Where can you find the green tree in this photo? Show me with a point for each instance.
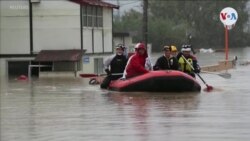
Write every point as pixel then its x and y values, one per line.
pixel 130 22
pixel 171 21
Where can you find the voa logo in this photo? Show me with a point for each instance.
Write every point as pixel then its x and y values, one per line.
pixel 228 16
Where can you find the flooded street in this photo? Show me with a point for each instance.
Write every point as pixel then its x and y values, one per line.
pixel 70 109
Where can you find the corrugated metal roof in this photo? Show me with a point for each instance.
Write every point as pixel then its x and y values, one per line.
pixel 59 55
pixel 95 3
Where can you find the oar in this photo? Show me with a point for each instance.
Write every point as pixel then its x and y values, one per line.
pixel 87 75
pixel 209 88
pixel 224 75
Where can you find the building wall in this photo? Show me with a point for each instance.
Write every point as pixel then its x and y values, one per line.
pixel 98 44
pixel 87 40
pixel 14 27
pixel 56 25
pixel 99 40
pixel 107 31
pixel 89 66
pixel 3 70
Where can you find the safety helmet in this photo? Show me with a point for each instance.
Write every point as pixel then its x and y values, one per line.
pixel 140 46
pixel 165 48
pixel 186 48
pixel 121 46
pixel 173 48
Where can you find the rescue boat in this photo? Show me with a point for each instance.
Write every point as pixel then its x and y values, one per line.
pixel 157 81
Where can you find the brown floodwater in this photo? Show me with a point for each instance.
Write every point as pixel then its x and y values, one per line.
pixel 71 109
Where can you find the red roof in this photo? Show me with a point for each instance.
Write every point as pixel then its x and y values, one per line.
pixel 59 55
pixel 95 3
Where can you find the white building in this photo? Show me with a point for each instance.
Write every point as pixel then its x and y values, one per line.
pixel 54 28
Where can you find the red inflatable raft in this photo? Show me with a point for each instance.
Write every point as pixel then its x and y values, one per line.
pixel 158 81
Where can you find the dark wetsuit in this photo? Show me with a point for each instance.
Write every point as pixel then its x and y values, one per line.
pixel 164 63
pixel 117 64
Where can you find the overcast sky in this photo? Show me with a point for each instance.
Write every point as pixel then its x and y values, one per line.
pixel 126 5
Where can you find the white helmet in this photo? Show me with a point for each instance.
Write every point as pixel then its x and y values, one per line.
pixel 186 48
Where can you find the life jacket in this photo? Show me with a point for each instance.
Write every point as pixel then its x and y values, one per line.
pixel 118 64
pixel 184 66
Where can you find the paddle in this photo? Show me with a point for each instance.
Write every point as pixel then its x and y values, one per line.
pixel 87 75
pixel 224 75
pixel 209 88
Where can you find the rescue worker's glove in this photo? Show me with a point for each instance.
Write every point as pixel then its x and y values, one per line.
pixel 197 69
pixel 108 71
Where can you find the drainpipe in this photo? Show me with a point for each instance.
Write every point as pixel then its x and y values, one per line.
pixel 81 34
pixel 31 26
pixel 81 28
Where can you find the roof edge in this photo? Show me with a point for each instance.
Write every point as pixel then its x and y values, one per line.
pixel 95 3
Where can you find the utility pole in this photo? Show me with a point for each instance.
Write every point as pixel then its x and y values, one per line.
pixel 145 22
pixel 119 13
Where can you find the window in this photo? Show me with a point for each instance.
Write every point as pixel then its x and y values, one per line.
pixel 84 15
pixel 99 17
pixel 89 16
pixel 92 16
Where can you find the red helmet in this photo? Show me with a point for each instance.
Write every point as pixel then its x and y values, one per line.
pixel 140 46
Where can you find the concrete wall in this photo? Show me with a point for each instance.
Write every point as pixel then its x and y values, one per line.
pixel 87 40
pixel 3 69
pixel 107 31
pixel 88 67
pixel 56 25
pixel 98 45
pixel 14 27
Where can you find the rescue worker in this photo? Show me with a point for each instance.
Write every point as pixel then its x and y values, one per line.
pixel 114 66
pixel 167 61
pixel 174 50
pixel 184 56
pixel 136 63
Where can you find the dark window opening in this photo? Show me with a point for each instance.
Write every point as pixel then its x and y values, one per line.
pixel 17 68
